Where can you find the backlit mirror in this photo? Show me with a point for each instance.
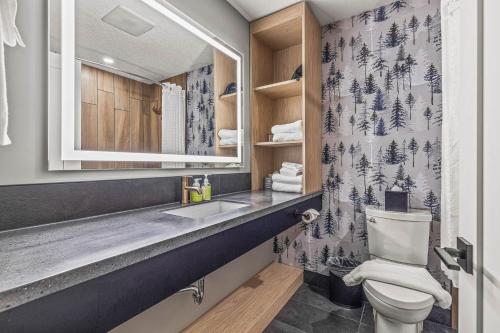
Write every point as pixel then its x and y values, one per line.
pixel 136 84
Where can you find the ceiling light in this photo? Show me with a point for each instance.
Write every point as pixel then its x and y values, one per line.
pixel 108 60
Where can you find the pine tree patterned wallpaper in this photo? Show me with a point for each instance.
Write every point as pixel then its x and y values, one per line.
pixel 381 91
pixel 200 112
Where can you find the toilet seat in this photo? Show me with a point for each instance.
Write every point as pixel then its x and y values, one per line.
pixel 399 297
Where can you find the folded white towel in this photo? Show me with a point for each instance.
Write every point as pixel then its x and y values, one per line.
pixel 290 172
pixel 287 128
pixel 228 141
pixel 227 133
pixel 287 179
pixel 292 165
pixel 282 187
pixel 415 278
pixel 10 36
pixel 278 137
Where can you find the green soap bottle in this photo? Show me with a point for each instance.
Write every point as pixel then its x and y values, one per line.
pixel 195 196
pixel 207 189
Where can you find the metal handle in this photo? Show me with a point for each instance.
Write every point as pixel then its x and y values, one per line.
pixel 463 253
pixel 446 258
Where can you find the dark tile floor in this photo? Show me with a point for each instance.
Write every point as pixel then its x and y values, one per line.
pixel 310 310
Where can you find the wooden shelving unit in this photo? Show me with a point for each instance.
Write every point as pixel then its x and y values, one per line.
pixel 278 144
pixel 225 105
pixel 283 89
pixel 229 98
pixel 279 43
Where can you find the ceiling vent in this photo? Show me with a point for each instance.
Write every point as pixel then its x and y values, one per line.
pixel 126 20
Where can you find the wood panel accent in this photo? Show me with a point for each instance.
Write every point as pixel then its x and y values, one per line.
pixel 252 307
pixel 225 113
pixel 277 100
pixel 105 124
pixel 89 137
pixel 88 77
pixel 122 88
pixel 311 103
pixel 122 135
pixel 121 106
pixel 180 80
pixel 105 81
pixel 454 308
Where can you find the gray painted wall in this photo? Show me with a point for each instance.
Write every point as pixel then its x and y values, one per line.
pixel 25 161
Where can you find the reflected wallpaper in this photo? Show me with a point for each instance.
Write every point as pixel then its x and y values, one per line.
pixel 381 92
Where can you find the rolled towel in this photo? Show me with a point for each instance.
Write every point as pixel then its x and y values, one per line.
pixel 287 179
pixel 228 141
pixel 290 172
pixel 282 187
pixel 278 137
pixel 292 165
pixel 287 128
pixel 227 133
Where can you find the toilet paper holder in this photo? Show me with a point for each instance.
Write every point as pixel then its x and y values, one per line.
pixel 306 216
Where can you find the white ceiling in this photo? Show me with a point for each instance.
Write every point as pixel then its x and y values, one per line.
pixel 164 51
pixel 327 11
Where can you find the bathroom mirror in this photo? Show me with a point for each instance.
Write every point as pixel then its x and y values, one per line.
pixel 137 84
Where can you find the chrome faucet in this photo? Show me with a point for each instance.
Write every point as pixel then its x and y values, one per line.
pixel 186 189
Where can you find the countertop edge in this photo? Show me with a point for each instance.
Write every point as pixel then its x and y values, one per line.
pixel 13 298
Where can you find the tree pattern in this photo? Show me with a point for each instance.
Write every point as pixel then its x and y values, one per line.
pixel 382 115
pixel 200 112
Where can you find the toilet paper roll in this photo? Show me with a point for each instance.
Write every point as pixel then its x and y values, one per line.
pixel 310 215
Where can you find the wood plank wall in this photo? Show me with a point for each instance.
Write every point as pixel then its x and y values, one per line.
pixel 116 114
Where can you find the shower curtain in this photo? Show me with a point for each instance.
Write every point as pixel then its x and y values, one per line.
pixel 173 124
pixel 451 27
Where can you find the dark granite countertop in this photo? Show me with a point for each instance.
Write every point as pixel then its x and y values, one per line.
pixel 42 260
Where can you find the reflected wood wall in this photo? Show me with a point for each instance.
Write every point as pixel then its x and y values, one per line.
pixel 116 115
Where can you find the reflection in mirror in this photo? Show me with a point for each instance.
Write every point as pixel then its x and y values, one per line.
pixel 146 84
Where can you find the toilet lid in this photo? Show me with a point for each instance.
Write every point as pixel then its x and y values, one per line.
pixel 399 297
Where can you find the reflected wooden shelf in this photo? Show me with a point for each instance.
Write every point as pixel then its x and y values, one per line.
pixel 278 144
pixel 282 89
pixel 227 146
pixel 229 98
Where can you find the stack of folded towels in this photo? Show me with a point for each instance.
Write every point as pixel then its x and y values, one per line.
pixel 289 178
pixel 228 137
pixel 287 132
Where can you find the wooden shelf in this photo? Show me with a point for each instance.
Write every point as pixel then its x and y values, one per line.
pixel 279 144
pixel 282 33
pixel 253 306
pixel 226 146
pixel 283 89
pixel 229 98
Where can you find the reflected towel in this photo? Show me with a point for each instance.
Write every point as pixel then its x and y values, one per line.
pixel 279 137
pixel 287 179
pixel 228 141
pixel 227 133
pixel 288 128
pixel 9 35
pixel 291 165
pixel 406 276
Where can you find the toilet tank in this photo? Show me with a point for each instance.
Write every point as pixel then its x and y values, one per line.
pixel 401 237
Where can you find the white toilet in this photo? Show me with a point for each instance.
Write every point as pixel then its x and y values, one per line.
pixel 402 238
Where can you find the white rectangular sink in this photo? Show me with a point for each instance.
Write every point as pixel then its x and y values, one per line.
pixel 206 209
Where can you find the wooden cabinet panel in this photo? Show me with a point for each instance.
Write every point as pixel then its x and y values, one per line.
pixel 122 135
pixel 122 88
pixel 88 82
pixel 105 124
pixel 136 125
pixel 136 90
pixel 105 81
pixel 89 134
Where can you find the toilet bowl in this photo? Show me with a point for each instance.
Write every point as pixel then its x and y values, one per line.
pixel 402 239
pixel 397 309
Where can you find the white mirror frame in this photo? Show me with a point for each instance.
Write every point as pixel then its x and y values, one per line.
pixel 68 151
